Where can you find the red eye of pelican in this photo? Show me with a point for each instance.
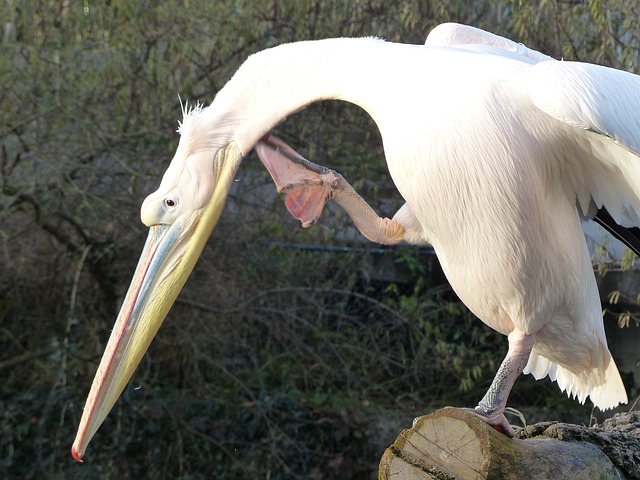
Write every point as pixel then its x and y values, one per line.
pixel 170 202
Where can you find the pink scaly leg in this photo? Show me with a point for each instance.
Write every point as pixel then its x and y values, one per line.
pixel 491 407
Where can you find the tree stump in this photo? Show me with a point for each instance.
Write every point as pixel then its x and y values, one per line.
pixel 455 444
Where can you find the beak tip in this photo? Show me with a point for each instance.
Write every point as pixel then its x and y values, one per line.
pixel 77 456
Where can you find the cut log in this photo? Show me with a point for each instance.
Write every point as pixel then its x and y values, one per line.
pixel 455 444
pixel 618 438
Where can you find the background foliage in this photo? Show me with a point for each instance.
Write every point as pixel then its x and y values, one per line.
pixel 276 362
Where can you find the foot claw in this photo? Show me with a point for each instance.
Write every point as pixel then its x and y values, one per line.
pixel 497 420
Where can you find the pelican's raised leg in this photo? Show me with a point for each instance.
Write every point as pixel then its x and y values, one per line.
pixel 491 407
pixel 307 187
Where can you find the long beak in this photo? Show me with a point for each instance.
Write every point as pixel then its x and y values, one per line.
pixel 168 257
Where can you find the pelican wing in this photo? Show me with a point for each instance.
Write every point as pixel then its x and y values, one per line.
pixel 605 104
pixel 472 38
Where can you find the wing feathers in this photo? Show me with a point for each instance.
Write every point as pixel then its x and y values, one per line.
pixel 591 97
pixel 629 236
pixel 605 104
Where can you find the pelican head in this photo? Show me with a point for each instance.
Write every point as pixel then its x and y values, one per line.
pixel 180 215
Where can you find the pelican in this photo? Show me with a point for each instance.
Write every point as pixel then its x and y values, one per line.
pixel 498 151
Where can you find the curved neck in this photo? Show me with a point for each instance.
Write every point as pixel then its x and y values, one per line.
pixel 276 82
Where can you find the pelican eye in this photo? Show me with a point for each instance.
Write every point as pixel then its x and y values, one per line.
pixel 170 202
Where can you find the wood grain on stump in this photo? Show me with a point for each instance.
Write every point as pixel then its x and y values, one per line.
pixel 455 444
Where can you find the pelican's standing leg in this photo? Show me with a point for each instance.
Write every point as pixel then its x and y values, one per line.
pixel 491 407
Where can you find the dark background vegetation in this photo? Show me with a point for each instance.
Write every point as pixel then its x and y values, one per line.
pixel 276 362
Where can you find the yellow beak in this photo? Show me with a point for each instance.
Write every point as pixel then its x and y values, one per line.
pixel 168 257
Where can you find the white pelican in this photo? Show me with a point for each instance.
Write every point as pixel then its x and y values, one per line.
pixel 498 152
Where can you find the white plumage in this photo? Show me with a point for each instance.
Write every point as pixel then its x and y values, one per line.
pixel 498 150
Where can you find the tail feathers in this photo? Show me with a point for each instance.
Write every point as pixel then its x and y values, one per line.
pixel 605 388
